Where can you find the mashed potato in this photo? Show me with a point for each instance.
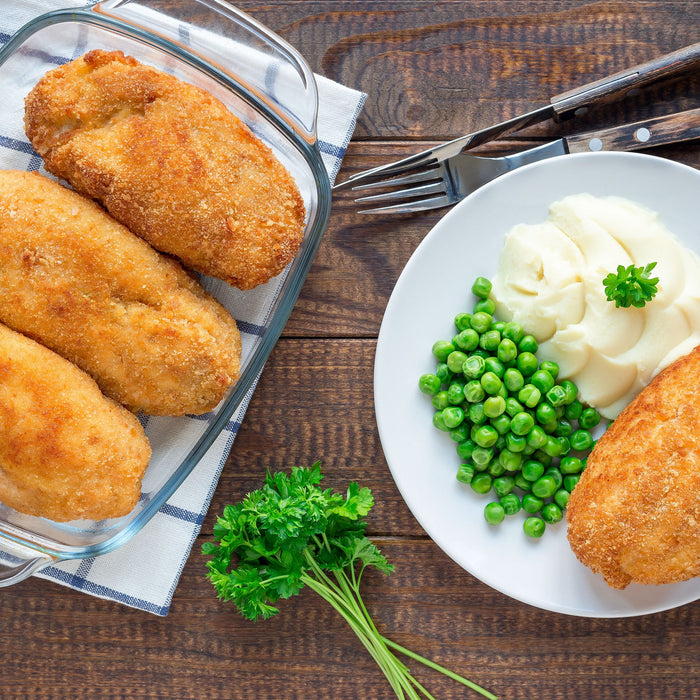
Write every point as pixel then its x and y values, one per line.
pixel 550 279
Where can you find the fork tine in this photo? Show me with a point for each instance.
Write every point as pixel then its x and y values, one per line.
pixel 408 193
pixel 411 207
pixel 424 159
pixel 424 176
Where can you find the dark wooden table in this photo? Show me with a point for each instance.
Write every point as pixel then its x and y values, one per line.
pixel 433 71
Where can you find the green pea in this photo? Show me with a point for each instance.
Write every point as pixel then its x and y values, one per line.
pixel 465 473
pixel 532 470
pixel 460 433
pixel 544 487
pixel 526 363
pixel 581 440
pixel 494 513
pixel 529 395
pixel 494 406
pixel 481 483
pixel 515 443
pixel 528 344
pixel 462 321
pixel 474 366
pixel 534 527
pixel 490 382
pixel 570 481
pixel 455 360
pixel 589 418
pixel 429 384
pixel 500 422
pixel 493 364
pixel 473 391
pixel 510 461
pixel 557 395
pixel 481 456
pixel 573 410
pixel 553 447
pixel 481 321
pixel 543 380
pixel 452 416
pixel 438 422
pixel 507 350
pixel 442 348
pixel 531 503
pixel 564 428
pixel 570 465
pixel 440 400
pixel 476 414
pixel 522 423
pixel 481 287
pixel 465 449
pixel 521 482
pixel 513 406
pixel 495 468
pixel 485 436
pixel 551 367
pixel 554 473
pixel 490 340
pixel 513 331
pixel 545 414
pixel 513 380
pixel 443 373
pixel 536 438
pixel 571 391
pixel 466 340
pixel 486 305
pixel 510 503
pixel 561 498
pixel 551 513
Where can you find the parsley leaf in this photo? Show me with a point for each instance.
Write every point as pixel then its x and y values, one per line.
pixel 631 286
pixel 291 533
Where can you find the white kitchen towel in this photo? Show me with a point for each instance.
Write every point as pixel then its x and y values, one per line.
pixel 143 573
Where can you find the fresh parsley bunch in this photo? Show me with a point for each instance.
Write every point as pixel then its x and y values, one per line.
pixel 631 286
pixel 290 534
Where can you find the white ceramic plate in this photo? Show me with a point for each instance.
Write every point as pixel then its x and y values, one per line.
pixel 434 286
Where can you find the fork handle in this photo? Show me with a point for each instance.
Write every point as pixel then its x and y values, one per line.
pixel 672 128
pixel 572 103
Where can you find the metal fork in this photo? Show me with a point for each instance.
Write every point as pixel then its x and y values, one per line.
pixel 442 184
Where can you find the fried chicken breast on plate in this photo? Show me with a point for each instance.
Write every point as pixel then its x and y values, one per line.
pixel 634 516
pixel 171 163
pixel 80 283
pixel 67 452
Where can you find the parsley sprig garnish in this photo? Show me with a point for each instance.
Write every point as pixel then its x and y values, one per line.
pixel 290 534
pixel 631 286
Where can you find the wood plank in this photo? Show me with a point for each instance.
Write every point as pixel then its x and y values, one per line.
pixel 63 644
pixel 438 70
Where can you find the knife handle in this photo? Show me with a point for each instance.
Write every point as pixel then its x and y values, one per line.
pixel 569 104
pixel 672 128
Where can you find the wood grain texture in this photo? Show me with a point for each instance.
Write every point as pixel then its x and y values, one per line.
pixel 433 71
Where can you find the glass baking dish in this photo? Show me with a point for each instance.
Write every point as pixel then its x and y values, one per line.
pixel 266 83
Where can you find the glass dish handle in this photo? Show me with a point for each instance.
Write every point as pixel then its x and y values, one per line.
pixel 233 43
pixel 14 574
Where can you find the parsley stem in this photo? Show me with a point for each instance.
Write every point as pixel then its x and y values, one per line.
pixel 441 669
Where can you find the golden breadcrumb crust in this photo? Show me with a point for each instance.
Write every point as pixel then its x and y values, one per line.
pixel 634 516
pixel 171 163
pixel 78 282
pixel 67 452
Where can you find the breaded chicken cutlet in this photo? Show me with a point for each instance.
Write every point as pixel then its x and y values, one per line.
pixel 634 516
pixel 80 283
pixel 67 452
pixel 171 163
